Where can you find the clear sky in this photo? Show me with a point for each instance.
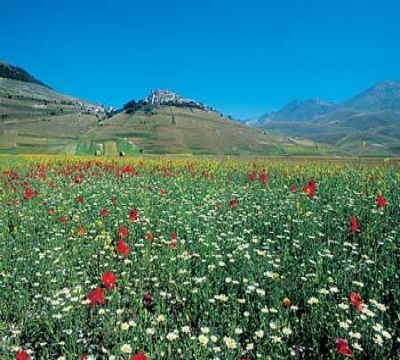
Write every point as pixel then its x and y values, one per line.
pixel 242 57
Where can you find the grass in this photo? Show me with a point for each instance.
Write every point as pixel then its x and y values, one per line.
pixel 257 270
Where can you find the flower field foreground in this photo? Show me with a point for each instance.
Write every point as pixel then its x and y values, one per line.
pixel 198 259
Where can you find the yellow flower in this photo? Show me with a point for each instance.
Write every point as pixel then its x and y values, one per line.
pixel 205 330
pixel 313 301
pixel 203 340
pixel 230 343
pixel 126 349
pixel 160 318
pixel 125 326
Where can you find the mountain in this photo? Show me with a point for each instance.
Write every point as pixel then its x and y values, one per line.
pixel 367 124
pixel 381 97
pixel 37 119
pixel 16 73
pixel 297 110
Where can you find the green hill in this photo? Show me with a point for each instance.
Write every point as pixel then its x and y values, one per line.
pixel 36 119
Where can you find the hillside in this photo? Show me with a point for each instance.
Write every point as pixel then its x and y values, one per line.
pixel 180 130
pixel 367 124
pixel 36 119
pixel 32 126
pixel 8 71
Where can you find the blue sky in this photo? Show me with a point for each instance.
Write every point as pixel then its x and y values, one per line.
pixel 242 57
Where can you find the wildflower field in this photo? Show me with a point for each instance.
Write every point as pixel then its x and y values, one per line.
pixel 198 259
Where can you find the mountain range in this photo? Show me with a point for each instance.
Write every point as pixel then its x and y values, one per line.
pixel 35 118
pixel 367 124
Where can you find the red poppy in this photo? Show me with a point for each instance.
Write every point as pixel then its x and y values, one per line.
pixel 28 193
pixel 104 212
pixel 81 230
pixel 252 176
pixel 174 240
pixel 52 212
pixel 343 348
pixel 123 232
pixel 233 203
pixel 96 297
pixel 381 201
pixel 80 199
pixel 139 356
pixel 79 178
pixel 147 297
pixel 310 188
pixel 109 280
pixel 42 174
pixel 149 236
pixel 63 218
pixel 162 192
pixel 22 355
pixel 354 224
pixel 167 174
pixel 114 200
pixel 129 169
pixel 264 178
pixel 133 216
pixel 355 300
pixel 293 187
pixel 122 247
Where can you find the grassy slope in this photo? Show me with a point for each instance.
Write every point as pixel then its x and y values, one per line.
pixel 192 131
pixel 347 129
pixel 29 124
pixel 379 139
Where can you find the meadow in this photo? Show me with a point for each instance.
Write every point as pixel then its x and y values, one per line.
pixel 198 258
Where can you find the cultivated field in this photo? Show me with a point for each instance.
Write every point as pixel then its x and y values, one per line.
pixel 196 258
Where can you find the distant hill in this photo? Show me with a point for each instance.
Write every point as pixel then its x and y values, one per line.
pixel 367 124
pixel 381 97
pixel 297 110
pixel 16 73
pixel 36 119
